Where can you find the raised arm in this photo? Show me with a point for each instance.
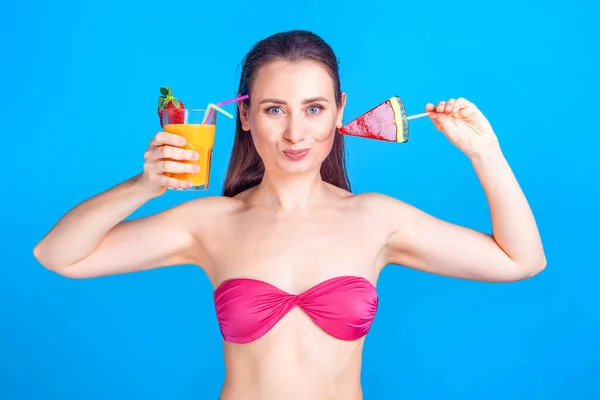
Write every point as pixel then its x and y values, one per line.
pixel 513 250
pixel 92 239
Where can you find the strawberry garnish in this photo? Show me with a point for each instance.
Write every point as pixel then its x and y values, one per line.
pixel 168 101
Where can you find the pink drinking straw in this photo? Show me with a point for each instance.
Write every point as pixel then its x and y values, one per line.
pixel 222 103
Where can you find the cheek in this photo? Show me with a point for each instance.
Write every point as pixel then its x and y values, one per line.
pixel 324 130
pixel 324 137
pixel 266 130
pixel 328 143
pixel 265 134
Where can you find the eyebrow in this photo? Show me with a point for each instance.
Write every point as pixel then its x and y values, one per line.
pixel 282 102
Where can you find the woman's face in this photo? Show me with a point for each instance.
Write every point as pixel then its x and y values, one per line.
pixel 293 115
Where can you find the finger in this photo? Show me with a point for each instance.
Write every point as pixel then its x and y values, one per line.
pixel 439 124
pixel 458 104
pixel 173 153
pixel 461 101
pixel 467 109
pixel 449 106
pixel 463 108
pixel 174 167
pixel 431 110
pixel 440 106
pixel 174 182
pixel 165 138
pixel 444 123
pixel 456 107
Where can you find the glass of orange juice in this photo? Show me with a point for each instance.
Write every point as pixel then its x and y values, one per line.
pixel 198 128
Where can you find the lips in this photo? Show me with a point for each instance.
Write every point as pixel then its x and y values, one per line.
pixel 296 154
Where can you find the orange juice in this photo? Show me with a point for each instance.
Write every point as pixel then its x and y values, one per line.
pixel 200 138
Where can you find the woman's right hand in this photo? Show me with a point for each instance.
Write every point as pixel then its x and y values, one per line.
pixel 165 154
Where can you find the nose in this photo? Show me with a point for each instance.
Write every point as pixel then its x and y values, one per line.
pixel 295 131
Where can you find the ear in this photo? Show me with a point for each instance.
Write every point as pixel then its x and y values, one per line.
pixel 244 111
pixel 340 118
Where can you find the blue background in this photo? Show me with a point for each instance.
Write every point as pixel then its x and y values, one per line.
pixel 79 94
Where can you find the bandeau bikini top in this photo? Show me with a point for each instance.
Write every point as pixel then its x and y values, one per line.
pixel 343 306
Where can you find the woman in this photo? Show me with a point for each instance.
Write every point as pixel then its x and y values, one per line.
pixel 293 255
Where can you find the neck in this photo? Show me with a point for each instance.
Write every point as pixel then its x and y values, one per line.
pixel 291 193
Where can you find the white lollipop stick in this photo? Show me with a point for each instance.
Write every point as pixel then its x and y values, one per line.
pixel 417 116
pixel 407 118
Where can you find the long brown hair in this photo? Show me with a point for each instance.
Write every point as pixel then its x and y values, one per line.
pixel 246 168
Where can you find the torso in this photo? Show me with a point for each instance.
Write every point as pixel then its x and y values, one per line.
pixel 294 252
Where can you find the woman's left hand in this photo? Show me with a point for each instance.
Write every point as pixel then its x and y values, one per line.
pixel 464 125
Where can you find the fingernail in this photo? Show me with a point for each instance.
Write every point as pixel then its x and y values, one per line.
pixel 196 168
pixel 182 141
pixel 195 156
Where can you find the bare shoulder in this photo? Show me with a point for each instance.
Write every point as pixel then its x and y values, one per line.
pixel 391 216
pixel 208 211
pixel 374 199
pixel 380 205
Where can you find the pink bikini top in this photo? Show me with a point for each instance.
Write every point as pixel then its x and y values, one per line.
pixel 246 308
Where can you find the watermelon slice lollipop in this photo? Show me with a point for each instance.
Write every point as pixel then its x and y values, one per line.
pixel 387 121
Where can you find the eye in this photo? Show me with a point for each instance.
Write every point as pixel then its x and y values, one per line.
pixel 274 110
pixel 314 109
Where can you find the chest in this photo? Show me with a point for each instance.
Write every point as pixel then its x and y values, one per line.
pixel 295 252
